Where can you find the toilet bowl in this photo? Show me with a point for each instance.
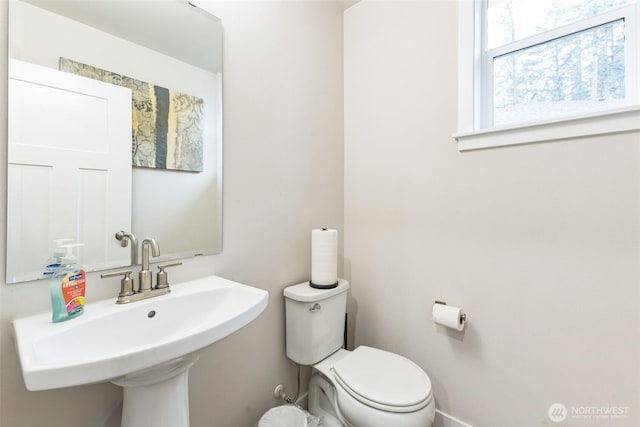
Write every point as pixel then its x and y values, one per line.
pixel 370 387
pixel 366 387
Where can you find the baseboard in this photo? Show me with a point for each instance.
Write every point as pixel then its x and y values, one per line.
pixel 442 419
pixel 445 420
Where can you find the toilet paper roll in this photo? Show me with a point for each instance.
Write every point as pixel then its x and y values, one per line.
pixel 449 316
pixel 324 257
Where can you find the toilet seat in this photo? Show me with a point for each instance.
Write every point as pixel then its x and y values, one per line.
pixel 383 380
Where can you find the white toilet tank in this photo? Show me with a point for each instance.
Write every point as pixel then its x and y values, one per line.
pixel 314 321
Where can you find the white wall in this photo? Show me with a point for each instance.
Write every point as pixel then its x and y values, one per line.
pixel 282 177
pixel 540 244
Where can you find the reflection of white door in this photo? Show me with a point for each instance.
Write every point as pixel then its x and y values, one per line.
pixel 69 170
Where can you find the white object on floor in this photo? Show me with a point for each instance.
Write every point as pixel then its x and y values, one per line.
pixel 288 416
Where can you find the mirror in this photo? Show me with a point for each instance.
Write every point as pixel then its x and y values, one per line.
pixel 168 46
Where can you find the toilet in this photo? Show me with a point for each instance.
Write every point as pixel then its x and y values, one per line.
pixel 366 387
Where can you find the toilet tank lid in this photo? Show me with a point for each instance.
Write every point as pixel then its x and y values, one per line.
pixel 305 293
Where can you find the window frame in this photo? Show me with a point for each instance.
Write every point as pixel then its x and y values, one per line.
pixel 475 93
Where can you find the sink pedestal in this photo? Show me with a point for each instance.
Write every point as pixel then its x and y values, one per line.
pixel 159 396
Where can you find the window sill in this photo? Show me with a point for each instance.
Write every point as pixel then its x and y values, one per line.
pixel 601 123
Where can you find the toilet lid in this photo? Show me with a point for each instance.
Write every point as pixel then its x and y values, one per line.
pixel 383 379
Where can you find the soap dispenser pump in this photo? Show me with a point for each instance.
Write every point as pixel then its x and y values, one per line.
pixel 53 263
pixel 67 287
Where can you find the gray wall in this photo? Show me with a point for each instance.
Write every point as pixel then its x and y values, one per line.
pixel 283 177
pixel 539 243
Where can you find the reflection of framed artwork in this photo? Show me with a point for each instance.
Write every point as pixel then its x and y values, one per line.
pixel 167 125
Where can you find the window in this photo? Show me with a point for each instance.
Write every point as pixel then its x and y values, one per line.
pixel 541 70
pixel 545 59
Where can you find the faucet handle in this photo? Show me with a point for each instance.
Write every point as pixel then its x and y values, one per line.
pixel 126 284
pixel 161 278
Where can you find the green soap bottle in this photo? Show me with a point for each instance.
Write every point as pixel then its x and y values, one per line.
pixel 67 287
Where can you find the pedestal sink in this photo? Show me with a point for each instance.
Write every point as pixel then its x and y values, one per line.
pixel 147 347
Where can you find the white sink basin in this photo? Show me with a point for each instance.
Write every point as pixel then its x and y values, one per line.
pixel 111 342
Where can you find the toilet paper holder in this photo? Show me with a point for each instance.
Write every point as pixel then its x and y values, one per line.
pixel 463 316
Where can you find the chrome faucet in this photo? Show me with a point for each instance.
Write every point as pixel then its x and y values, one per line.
pixel 145 274
pixel 145 286
pixel 124 238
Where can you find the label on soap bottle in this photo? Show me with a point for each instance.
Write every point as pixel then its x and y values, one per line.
pixel 73 285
